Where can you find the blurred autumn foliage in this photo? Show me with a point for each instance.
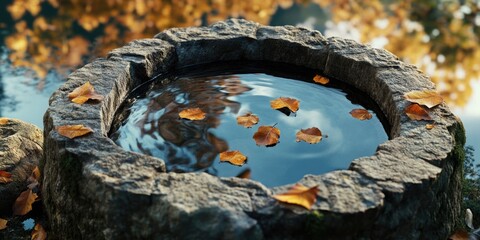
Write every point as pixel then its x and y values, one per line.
pixel 440 37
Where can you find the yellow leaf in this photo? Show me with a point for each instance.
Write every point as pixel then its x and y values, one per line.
pixel 233 157
pixel 417 112
pixel 247 120
pixel 39 233
pixel 5 177
pixel 429 98
pixel 3 223
pixel 299 195
pixel 23 204
pixel 3 121
pixel 84 93
pixel 361 114
pixel 321 79
pixel 192 114
pixel 310 135
pixel 429 126
pixel 73 131
pixel 267 136
pixel 285 102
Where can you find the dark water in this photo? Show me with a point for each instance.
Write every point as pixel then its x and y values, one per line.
pixel 153 126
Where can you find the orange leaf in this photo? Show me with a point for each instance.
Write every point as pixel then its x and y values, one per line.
pixel 361 114
pixel 73 131
pixel 3 223
pixel 39 233
pixel 417 112
pixel 24 202
pixel 192 114
pixel 285 102
pixel 33 179
pixel 299 195
pixel 267 135
pixel 36 173
pixel 309 135
pixel 321 79
pixel 245 174
pixel 429 126
pixel 3 121
pixel 429 98
pixel 459 234
pixel 233 157
pixel 247 120
pixel 5 177
pixel 84 93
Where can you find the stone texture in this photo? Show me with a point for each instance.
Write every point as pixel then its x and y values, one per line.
pixel 109 193
pixel 20 151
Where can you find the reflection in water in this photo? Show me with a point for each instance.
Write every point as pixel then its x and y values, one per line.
pixel 441 37
pixel 153 127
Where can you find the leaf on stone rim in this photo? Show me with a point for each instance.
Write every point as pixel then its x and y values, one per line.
pixel 84 93
pixel 429 98
pixel 73 131
pixel 34 178
pixel 234 157
pixel 3 223
pixel 23 203
pixel 3 121
pixel 291 104
pixel 38 232
pixel 192 114
pixel 321 79
pixel 429 126
pixel 299 195
pixel 247 120
pixel 267 136
pixel 417 112
pixel 5 177
pixel 246 174
pixel 361 114
pixel 310 135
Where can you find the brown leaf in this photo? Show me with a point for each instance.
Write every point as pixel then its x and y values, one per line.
pixel 73 131
pixel 299 195
pixel 5 177
pixel 245 174
pixel 39 233
pixel 3 223
pixel 459 234
pixel 267 135
pixel 33 179
pixel 310 135
pixel 24 202
pixel 3 121
pixel 417 112
pixel 233 157
pixel 84 93
pixel 36 173
pixel 361 114
pixel 321 79
pixel 247 120
pixel 192 114
pixel 429 126
pixel 429 98
pixel 285 102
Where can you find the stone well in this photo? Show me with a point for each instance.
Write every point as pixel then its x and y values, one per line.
pixel 93 189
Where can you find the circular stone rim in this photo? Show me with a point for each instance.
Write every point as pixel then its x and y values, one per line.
pixel 95 168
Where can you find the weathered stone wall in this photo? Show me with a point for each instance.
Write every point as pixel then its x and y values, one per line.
pixel 93 189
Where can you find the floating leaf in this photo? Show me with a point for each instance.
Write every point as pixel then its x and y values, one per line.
pixel 24 202
pixel 233 157
pixel 299 195
pixel 361 114
pixel 284 102
pixel 310 135
pixel 417 112
pixel 247 120
pixel 321 79
pixel 84 93
pixel 3 121
pixel 245 174
pixel 429 126
pixel 5 177
pixel 429 98
pixel 267 135
pixel 192 114
pixel 3 223
pixel 39 233
pixel 73 131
